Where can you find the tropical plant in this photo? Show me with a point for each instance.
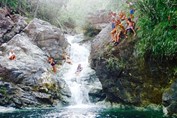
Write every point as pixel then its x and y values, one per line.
pixel 158 28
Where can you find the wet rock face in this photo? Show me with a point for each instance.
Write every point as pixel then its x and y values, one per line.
pixel 30 60
pixel 28 80
pixel 96 95
pixel 93 86
pixel 169 99
pixel 49 38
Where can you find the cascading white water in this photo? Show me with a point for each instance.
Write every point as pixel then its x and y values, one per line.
pixel 79 55
pixel 6 109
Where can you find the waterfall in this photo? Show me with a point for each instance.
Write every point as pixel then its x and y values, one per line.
pixel 78 83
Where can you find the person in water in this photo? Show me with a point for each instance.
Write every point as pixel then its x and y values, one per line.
pixel 12 55
pixel 52 63
pixel 79 69
pixel 67 58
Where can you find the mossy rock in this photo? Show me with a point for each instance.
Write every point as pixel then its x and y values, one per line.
pixel 3 90
pixel 46 87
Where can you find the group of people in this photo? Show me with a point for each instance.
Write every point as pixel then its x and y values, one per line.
pixel 67 60
pixel 121 24
pixel 51 61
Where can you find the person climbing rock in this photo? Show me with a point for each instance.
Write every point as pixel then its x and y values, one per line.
pixel 52 63
pixel 12 55
pixel 122 15
pixel 119 31
pixel 79 69
pixel 113 19
pixel 113 31
pixel 132 11
pixel 130 26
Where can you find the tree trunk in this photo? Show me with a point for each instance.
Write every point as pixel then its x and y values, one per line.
pixel 36 10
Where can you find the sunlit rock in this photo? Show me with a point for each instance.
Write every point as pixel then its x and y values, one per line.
pixel 10 26
pixel 49 38
pixel 29 80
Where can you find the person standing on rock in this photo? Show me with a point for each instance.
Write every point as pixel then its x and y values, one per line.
pixel 119 30
pixel 131 26
pixel 12 55
pixel 112 18
pixel 132 10
pixel 52 63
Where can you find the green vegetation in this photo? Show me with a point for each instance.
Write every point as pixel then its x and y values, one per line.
pixel 3 90
pixel 157 28
pixel 115 64
pixel 61 13
pixel 9 3
pixel 175 71
pixel 18 6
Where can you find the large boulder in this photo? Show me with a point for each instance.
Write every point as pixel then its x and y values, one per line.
pixel 94 88
pixel 125 77
pixel 49 38
pixel 169 99
pixel 28 80
pixel 99 43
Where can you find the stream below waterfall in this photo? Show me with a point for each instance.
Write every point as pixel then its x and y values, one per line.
pixel 82 112
pixel 80 85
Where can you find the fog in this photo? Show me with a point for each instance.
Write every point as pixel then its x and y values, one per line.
pixel 59 11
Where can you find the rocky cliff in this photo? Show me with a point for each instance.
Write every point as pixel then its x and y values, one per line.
pixel 49 38
pixel 129 79
pixel 28 80
pixel 10 26
pixel 98 19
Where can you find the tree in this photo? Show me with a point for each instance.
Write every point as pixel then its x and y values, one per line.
pixel 36 10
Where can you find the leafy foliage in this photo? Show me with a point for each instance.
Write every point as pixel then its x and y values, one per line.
pixel 158 28
pixel 10 3
pixel 113 64
pixel 3 90
pixel 19 6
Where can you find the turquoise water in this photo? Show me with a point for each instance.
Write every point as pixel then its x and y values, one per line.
pixel 84 112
